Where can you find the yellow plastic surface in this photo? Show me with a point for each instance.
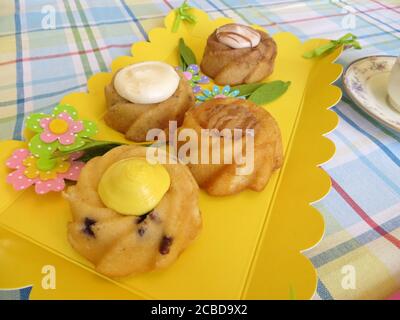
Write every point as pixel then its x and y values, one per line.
pixel 251 243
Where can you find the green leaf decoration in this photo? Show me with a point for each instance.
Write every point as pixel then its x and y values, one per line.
pixel 41 149
pixel 182 63
pixel 65 108
pixel 182 14
pixel 33 121
pixel 89 129
pixel 269 92
pixel 79 142
pixel 246 90
pixel 187 57
pixel 91 149
pixel 349 40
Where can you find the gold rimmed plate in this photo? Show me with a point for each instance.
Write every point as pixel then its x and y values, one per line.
pixel 366 81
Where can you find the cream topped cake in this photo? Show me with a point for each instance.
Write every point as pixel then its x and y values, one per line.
pixel 237 54
pixel 145 96
pixel 130 216
pixel 147 82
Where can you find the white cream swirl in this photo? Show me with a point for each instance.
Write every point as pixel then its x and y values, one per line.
pixel 238 36
pixel 147 82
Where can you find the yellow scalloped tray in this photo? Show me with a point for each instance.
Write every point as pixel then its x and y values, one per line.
pixel 251 243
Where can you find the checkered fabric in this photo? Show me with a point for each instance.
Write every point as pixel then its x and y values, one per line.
pixel 359 257
pixel 16 294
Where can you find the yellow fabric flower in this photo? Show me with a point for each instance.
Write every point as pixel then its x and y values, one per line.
pixel 32 171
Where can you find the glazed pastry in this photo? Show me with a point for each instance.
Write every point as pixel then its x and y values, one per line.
pixel 229 114
pixel 237 54
pixel 130 216
pixel 146 96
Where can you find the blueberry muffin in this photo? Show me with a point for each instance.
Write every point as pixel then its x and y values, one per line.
pixel 130 216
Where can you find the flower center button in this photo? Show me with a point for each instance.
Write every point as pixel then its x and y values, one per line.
pixel 58 126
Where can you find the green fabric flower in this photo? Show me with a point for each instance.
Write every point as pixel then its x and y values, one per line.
pixel 60 131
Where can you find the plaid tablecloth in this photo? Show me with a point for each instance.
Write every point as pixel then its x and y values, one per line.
pixel 359 256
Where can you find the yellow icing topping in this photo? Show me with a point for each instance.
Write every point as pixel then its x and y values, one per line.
pixel 58 126
pixel 133 186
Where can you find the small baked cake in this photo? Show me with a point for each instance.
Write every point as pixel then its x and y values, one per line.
pixel 130 216
pixel 251 165
pixel 237 54
pixel 146 96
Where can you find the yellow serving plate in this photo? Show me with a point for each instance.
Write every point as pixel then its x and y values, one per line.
pixel 251 243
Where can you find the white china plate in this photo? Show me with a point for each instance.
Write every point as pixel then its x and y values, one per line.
pixel 365 82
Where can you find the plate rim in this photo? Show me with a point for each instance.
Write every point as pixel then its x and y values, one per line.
pixel 354 99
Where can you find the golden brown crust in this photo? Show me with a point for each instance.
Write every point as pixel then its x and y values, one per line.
pixel 120 245
pixel 222 179
pixel 229 66
pixel 135 120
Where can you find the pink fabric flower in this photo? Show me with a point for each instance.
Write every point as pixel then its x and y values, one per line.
pixel 20 181
pixel 65 136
